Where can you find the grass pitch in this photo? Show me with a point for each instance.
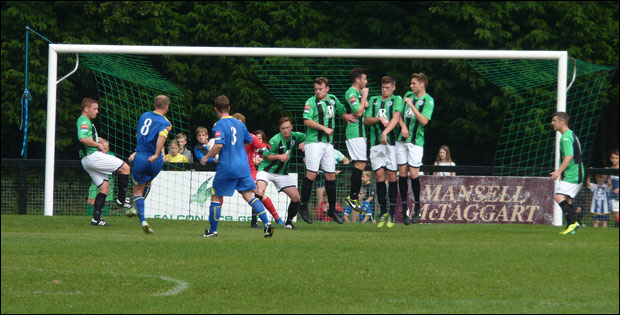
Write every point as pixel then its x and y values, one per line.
pixel 61 264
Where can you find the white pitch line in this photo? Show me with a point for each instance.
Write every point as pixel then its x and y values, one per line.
pixel 180 284
pixel 180 287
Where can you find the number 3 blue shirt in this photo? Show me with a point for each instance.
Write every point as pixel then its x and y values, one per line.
pixel 150 126
pixel 233 161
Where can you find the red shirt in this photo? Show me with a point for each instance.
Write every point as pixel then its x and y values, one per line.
pixel 250 149
pixel 321 211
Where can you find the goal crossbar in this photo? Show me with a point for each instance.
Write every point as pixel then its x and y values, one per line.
pixel 55 49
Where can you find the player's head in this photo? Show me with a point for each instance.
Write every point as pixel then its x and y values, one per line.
pixel 286 126
pixel 239 117
pixel 222 104
pixel 443 154
pixel 202 135
pixel 182 138
pixel 261 135
pixel 90 108
pixel 321 87
pixel 162 103
pixel 559 121
pixel 419 82
pixel 388 85
pixel 174 147
pixel 106 146
pixel 359 77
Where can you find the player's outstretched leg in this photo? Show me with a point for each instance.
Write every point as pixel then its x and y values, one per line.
pixel 292 212
pixel 98 208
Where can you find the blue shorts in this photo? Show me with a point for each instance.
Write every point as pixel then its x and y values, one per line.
pixel 143 171
pixel 600 217
pixel 227 186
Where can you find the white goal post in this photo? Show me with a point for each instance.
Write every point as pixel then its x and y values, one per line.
pixel 55 49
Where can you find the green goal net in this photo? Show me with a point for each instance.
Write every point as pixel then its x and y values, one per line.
pixel 525 146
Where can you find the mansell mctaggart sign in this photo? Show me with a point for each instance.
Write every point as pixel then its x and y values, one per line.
pixel 485 199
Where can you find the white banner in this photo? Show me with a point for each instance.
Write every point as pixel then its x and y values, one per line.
pixel 186 195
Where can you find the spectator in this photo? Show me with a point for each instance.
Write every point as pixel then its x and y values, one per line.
pixel 323 207
pixel 613 158
pixel 201 149
pixel 600 199
pixel 175 156
pixel 444 159
pixel 182 138
pixel 364 216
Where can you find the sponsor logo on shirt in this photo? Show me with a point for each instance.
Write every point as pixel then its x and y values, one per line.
pixel 84 127
pixel 353 100
pixel 307 109
pixel 218 135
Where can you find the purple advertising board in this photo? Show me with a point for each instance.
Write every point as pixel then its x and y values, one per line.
pixel 483 199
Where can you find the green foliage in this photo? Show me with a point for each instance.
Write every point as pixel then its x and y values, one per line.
pixel 587 30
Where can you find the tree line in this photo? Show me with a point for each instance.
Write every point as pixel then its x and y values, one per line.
pixel 466 104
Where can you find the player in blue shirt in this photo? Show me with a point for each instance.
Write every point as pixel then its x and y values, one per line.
pixel 232 171
pixel 153 129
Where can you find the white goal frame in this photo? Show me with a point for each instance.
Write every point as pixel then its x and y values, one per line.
pixel 55 49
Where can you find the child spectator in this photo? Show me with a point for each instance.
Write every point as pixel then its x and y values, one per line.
pixel 174 156
pixel 182 138
pixel 613 158
pixel 321 209
pixel 444 159
pixel 201 149
pixel 600 199
pixel 363 217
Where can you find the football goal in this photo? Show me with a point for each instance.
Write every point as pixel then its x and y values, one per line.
pixel 558 59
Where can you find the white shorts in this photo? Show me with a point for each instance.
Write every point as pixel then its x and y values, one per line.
pixel 99 165
pixel 568 189
pixel 279 180
pixel 320 154
pixel 409 153
pixel 357 149
pixel 614 205
pixel 383 156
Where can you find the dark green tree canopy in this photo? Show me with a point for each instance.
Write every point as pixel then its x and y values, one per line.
pixel 587 30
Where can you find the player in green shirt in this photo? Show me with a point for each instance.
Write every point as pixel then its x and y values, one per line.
pixel 320 112
pixel 274 167
pixel 98 164
pixel 571 171
pixel 355 103
pixel 417 112
pixel 383 117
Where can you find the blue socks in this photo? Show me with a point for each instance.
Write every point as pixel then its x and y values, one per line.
pixel 215 211
pixel 138 201
pixel 259 208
